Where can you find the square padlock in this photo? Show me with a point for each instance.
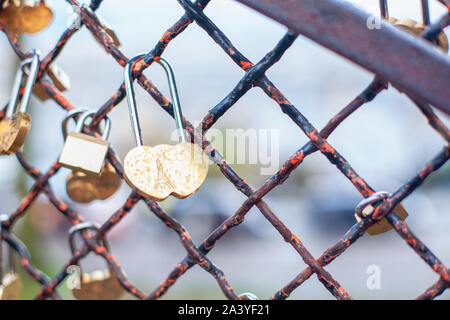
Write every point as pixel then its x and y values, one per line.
pixel 81 151
pixel 84 153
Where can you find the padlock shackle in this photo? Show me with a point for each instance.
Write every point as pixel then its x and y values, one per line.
pixel 132 99
pixel 384 10
pixel 175 98
pixel 90 113
pixel 70 115
pixel 372 199
pixel 426 19
pixel 31 79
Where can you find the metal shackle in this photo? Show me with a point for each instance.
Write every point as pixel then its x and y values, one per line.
pixel 31 79
pixel 87 114
pixel 384 11
pixel 80 227
pixel 70 115
pixel 370 200
pixel 132 100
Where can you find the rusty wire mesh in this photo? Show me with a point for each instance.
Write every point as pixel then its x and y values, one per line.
pixel 197 255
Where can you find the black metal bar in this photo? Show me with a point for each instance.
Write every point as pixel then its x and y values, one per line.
pixel 411 65
pixel 426 12
pixel 384 11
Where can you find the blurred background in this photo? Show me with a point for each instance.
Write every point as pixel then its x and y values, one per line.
pixel 386 142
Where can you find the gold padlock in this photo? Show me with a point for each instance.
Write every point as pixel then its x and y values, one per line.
pixel 11 287
pixel 80 188
pixel 441 41
pixel 26 16
pixel 414 27
pixel 9 16
pixel 107 183
pixel 59 78
pixel 85 188
pixel 408 25
pixel 164 170
pixel 417 29
pixel 97 285
pixel 16 124
pixel 83 152
pixel 10 283
pixel 34 16
pixel 366 208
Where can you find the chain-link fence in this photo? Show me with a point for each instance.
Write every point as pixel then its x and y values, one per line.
pixel 255 76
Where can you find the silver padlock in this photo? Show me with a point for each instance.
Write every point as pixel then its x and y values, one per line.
pixel 83 152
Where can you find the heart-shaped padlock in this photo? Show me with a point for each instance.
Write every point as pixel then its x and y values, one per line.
pixel 157 172
pixel 79 188
pixel 10 283
pixel 164 170
pixel 16 124
pixel 99 284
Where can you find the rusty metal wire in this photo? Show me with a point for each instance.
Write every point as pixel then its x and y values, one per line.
pixel 197 255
